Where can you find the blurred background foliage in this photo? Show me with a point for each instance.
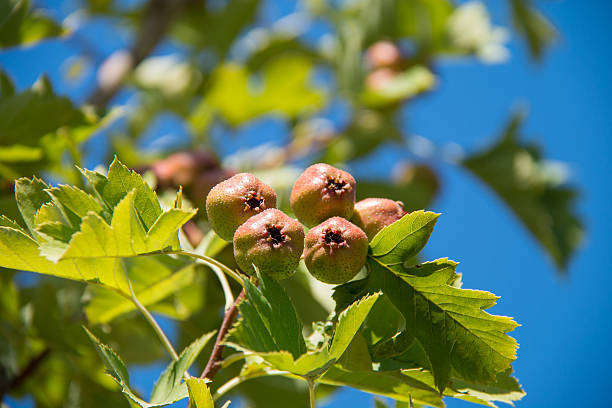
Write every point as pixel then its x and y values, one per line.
pixel 222 70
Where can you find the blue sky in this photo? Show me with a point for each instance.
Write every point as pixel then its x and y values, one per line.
pixel 564 357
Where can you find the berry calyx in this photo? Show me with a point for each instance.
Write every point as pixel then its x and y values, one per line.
pixel 233 201
pixel 253 201
pixel 335 250
pixel 333 237
pixel 374 214
pixel 272 241
pixel 322 191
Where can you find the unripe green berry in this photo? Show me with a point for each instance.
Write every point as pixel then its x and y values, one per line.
pixel 272 241
pixel 322 191
pixel 235 200
pixel 374 214
pixel 335 250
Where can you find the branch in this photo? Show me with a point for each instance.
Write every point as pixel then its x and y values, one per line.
pixel 214 362
pixel 27 371
pixel 158 16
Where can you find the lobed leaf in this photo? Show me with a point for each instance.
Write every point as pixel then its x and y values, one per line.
pixel 80 236
pixel 449 323
pixel 533 189
pixel 252 332
pixel 169 386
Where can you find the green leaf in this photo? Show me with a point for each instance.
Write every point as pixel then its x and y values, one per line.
pixel 121 181
pixel 75 202
pixel 20 26
pixel 286 90
pixel 51 112
pixel 116 369
pixel 449 323
pixel 21 252
pixel 91 253
pixel 30 196
pixel 153 281
pixel 505 389
pixel 418 385
pixel 537 30
pixel 250 334
pixel 215 28
pixel 199 393
pixel 393 384
pixel 404 238
pixel 349 322
pixel 378 403
pixel 405 85
pixel 269 320
pixel 534 189
pixel 168 387
pixel 425 21
pixel 7 88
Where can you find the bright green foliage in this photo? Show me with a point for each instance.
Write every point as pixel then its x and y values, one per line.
pixel 269 320
pixel 535 190
pixel 538 32
pixel 28 145
pixel 405 331
pixel 168 388
pixel 199 394
pixel 78 236
pixel 446 323
pixel 285 91
pixel 19 25
pixel 403 239
pixel 270 328
pixel 418 385
pixel 153 279
pixel 408 84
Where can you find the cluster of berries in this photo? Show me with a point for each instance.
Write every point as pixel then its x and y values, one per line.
pixel 242 209
pixel 385 61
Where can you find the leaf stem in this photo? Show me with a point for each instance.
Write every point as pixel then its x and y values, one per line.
pixel 231 359
pixel 311 392
pixel 158 330
pixel 227 291
pixel 206 260
pixel 240 379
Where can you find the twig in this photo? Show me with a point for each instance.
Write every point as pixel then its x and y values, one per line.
pixel 27 371
pixel 158 16
pixel 214 362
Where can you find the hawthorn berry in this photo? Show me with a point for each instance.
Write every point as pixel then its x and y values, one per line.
pixel 235 200
pixel 335 250
pixel 322 191
pixel 272 241
pixel 373 214
pixel 383 54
